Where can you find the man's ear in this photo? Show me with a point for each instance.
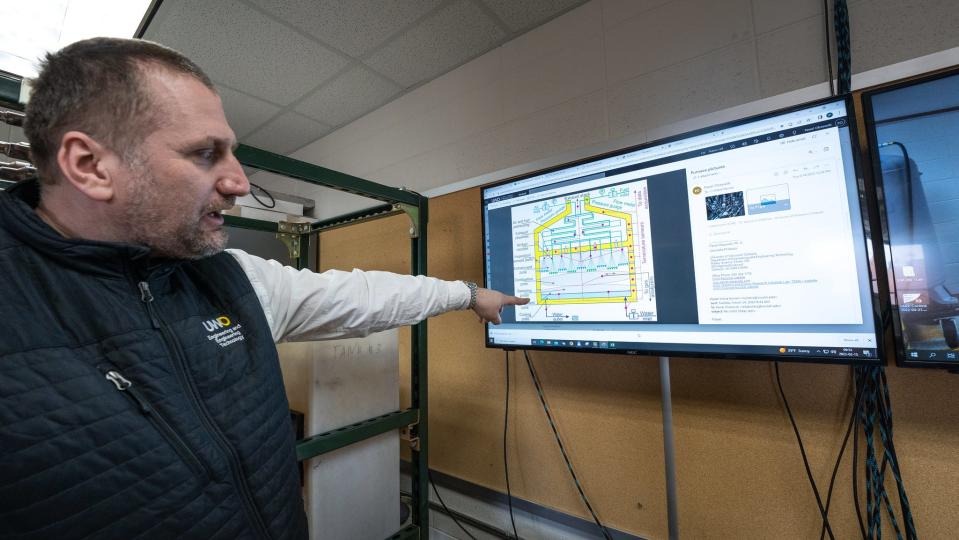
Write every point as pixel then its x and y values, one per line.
pixel 87 165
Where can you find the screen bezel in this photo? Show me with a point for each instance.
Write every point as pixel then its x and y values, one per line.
pixel 868 217
pixel 869 126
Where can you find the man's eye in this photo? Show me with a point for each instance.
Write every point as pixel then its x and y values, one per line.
pixel 206 156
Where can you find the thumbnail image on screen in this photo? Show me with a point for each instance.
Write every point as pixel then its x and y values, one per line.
pixel 742 240
pixel 913 133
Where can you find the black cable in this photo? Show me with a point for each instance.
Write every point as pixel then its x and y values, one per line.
pixel 552 424
pixel 885 415
pixel 802 450
pixel 843 50
pixel 509 493
pixel 842 449
pixel 448 511
pixel 880 418
pixel 825 16
pixel 855 461
pixel 268 194
pixel 871 472
pixel 464 518
pixel 875 414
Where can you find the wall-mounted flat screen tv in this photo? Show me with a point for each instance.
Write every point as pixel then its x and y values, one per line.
pixel 743 240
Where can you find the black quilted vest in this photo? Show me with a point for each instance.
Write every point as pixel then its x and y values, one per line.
pixel 138 398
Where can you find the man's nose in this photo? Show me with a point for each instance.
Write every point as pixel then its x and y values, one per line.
pixel 234 182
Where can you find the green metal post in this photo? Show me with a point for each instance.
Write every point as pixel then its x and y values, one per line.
pixel 399 200
pixel 251 224
pixel 418 386
pixel 322 443
pixel 314 174
pixel 303 261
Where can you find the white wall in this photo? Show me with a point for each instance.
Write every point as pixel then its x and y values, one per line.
pixel 613 73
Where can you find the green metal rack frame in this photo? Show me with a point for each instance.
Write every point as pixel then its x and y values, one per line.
pixel 297 237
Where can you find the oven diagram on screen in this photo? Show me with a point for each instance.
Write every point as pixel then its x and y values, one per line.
pixel 585 256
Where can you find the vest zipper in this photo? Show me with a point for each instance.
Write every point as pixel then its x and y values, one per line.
pixel 193 394
pixel 189 457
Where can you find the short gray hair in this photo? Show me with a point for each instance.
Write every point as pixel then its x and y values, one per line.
pixel 96 86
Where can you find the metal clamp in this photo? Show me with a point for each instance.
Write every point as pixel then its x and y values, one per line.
pixel 291 234
pixel 406 434
pixel 413 212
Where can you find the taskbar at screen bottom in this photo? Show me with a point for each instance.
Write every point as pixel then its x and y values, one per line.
pixel 933 355
pixel 837 354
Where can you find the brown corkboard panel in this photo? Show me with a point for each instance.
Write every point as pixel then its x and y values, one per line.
pixel 739 470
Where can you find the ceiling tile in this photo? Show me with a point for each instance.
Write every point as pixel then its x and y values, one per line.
pixel 244 49
pixel 773 14
pixel 287 133
pixel 617 11
pixel 348 97
pixel 648 41
pixel 355 27
pixel 444 40
pixel 529 13
pixel 243 112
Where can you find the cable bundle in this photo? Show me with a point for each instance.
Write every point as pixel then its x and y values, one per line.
pixel 872 410
pixel 874 414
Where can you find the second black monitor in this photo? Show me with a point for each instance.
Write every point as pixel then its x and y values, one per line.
pixel 913 130
pixel 742 240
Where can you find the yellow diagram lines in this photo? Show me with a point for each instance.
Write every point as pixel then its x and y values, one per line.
pixel 540 253
pixel 627 244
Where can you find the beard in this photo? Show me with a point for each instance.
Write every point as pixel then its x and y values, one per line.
pixel 166 222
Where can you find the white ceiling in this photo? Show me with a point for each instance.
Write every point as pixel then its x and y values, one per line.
pixel 292 71
pixel 31 29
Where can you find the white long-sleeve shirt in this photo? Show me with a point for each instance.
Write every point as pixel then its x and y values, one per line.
pixel 301 305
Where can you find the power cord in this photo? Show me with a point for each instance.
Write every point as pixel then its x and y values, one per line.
pixel 509 493
pixel 472 522
pixel 857 400
pixel 552 424
pixel 855 463
pixel 802 450
pixel 448 511
pixel 265 192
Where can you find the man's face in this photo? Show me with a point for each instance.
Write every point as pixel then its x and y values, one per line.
pixel 183 174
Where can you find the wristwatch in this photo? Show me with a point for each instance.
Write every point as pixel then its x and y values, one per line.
pixel 472 286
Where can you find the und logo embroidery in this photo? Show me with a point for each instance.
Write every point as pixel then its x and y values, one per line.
pixel 223 331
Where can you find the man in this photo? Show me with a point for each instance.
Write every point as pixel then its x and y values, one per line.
pixel 124 411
